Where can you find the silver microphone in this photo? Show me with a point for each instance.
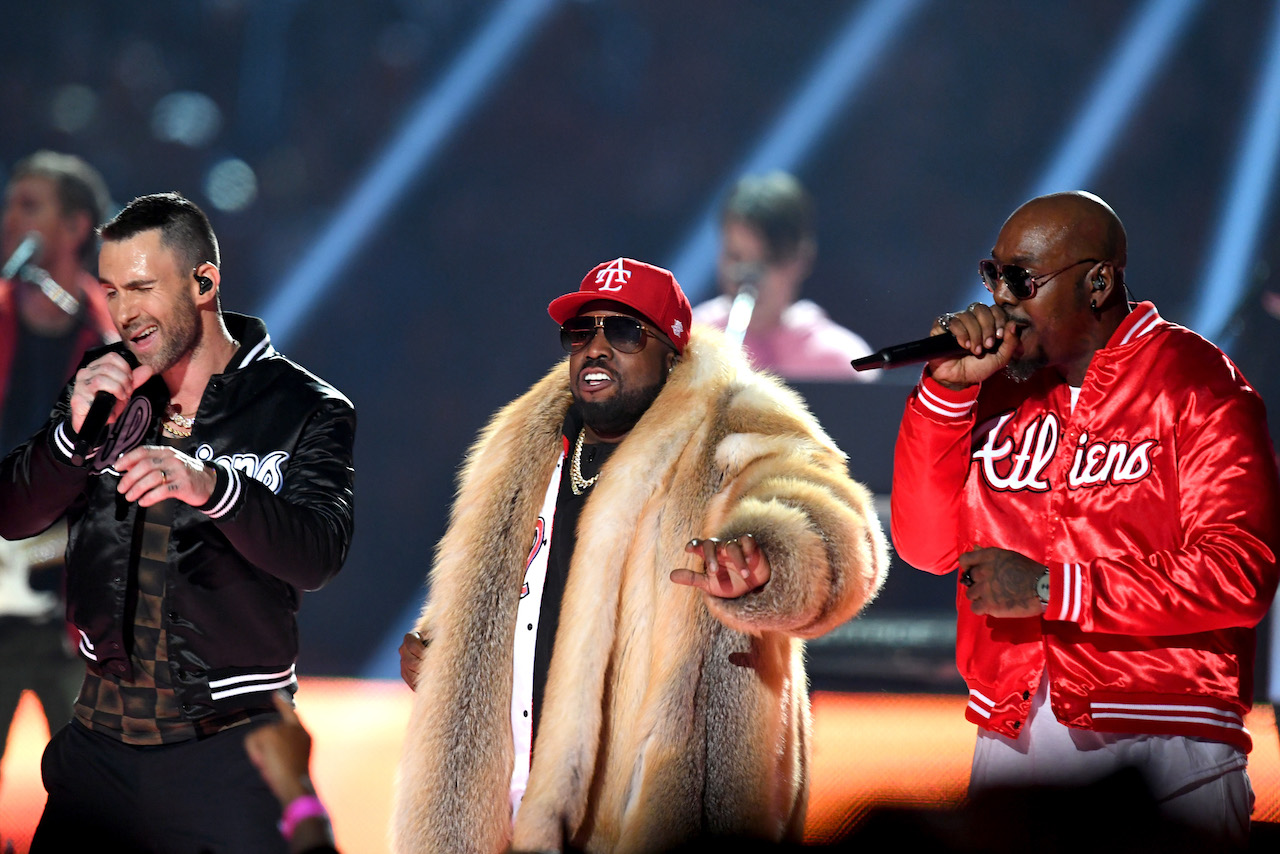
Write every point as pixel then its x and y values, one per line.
pixel 744 302
pixel 23 265
pixel 28 252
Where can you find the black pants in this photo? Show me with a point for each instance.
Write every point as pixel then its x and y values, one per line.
pixel 196 797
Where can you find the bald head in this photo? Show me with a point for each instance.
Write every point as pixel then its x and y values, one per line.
pixel 1079 223
pixel 1076 248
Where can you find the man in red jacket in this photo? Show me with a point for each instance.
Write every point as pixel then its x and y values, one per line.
pixel 1104 483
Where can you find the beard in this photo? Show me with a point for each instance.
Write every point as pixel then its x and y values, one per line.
pixel 619 413
pixel 1021 370
pixel 181 336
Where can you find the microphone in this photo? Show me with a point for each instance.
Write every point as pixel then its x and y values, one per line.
pixel 744 302
pixel 51 289
pixel 912 352
pixel 96 418
pixel 28 250
pixel 22 264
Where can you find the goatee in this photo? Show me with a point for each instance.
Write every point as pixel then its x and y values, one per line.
pixel 1021 370
pixel 619 413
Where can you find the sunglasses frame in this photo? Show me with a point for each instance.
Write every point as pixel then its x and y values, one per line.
pixel 599 325
pixel 1035 279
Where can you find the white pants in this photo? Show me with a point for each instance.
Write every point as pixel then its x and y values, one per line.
pixel 1203 784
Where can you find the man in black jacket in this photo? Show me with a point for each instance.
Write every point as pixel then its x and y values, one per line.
pixel 220 489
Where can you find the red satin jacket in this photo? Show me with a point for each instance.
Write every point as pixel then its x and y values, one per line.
pixel 1156 507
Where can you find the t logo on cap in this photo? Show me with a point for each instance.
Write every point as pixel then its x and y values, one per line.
pixel 607 275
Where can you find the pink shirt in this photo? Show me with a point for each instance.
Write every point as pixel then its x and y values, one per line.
pixel 806 345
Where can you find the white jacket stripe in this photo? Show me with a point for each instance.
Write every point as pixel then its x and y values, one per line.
pixel 248 683
pixel 234 487
pixel 945 408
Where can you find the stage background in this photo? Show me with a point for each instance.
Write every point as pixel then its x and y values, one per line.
pixel 400 187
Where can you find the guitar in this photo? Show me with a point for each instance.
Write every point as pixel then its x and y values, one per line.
pixel 18 559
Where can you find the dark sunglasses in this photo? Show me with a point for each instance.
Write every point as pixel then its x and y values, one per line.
pixel 624 334
pixel 1020 281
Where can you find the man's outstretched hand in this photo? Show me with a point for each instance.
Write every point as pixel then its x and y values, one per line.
pixel 731 567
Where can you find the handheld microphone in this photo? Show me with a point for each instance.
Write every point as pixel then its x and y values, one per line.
pixel 96 418
pixel 51 289
pixel 28 250
pixel 744 302
pixel 912 352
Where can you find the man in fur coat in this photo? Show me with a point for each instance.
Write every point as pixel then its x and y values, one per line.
pixel 610 658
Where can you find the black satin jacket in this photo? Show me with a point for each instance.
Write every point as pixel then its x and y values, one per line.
pixel 280 521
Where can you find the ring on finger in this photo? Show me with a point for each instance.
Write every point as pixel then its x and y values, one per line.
pixel 164 476
pixel 966 579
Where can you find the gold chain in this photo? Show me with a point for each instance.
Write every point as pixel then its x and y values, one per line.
pixel 577 483
pixel 176 424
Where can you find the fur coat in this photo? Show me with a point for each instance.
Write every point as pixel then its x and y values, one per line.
pixel 668 714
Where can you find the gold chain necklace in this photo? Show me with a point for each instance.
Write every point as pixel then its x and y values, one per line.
pixel 176 424
pixel 577 483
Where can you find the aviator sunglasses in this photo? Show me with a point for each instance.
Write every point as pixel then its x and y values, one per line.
pixel 1022 284
pixel 624 334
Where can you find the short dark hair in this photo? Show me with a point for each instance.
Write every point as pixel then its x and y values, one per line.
pixel 778 206
pixel 79 186
pixel 183 227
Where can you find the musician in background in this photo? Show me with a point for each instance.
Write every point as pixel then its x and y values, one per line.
pixel 768 243
pixel 51 311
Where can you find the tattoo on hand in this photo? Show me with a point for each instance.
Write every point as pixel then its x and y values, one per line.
pixel 1011 585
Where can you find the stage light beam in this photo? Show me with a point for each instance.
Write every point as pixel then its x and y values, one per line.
pixel 431 121
pixel 834 81
pixel 1140 53
pixel 1224 281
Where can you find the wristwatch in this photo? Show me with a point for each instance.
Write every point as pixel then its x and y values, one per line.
pixel 1042 588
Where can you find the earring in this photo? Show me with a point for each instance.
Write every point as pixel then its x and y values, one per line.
pixel 1093 304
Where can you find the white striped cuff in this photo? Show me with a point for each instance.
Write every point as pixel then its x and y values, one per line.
pixel 65 446
pixel 226 493
pixel 939 400
pixel 1066 596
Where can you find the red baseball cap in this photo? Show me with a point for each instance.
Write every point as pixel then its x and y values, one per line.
pixel 650 290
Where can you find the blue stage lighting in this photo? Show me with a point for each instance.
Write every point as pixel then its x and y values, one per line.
pixel 831 85
pixel 431 120
pixel 1224 282
pixel 1140 53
